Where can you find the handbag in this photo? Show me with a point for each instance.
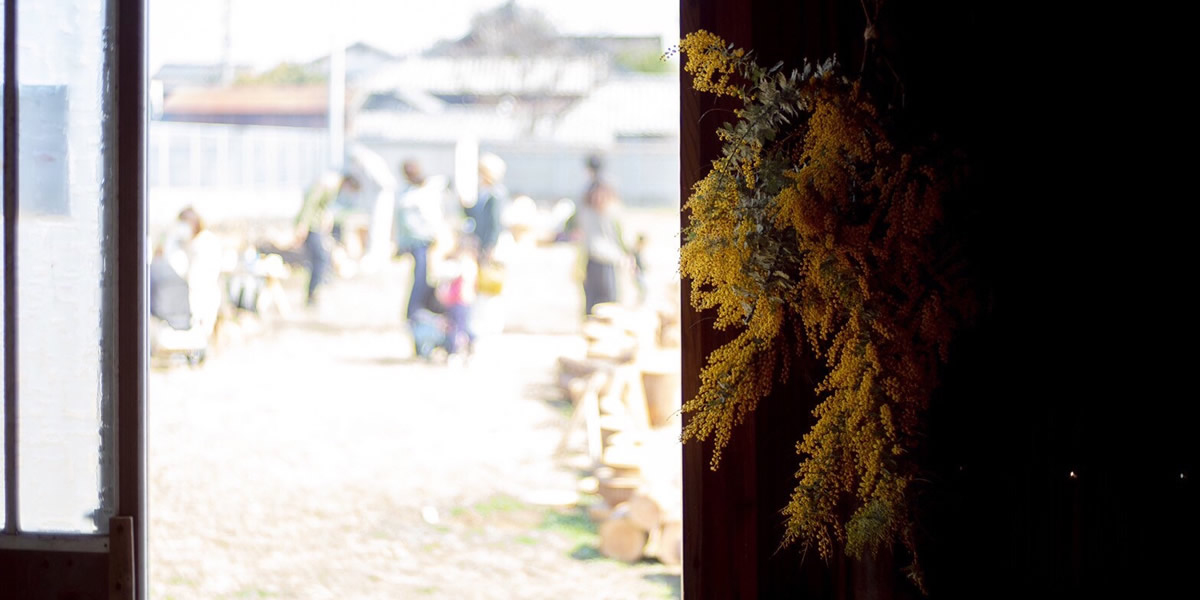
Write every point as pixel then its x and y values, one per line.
pixel 491 279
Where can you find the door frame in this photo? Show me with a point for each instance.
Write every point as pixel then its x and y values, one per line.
pixel 114 564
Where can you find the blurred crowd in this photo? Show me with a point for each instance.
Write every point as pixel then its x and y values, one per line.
pixel 460 245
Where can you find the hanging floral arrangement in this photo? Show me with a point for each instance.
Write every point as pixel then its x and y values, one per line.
pixel 819 230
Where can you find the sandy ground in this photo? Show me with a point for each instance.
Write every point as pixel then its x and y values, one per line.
pixel 315 458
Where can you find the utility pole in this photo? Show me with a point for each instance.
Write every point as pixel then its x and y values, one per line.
pixel 337 89
pixel 227 44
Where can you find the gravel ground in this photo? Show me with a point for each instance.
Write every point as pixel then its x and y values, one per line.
pixel 316 458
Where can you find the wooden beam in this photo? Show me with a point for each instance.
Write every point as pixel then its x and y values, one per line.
pixel 130 314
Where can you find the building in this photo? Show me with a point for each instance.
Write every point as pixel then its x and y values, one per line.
pixel 290 106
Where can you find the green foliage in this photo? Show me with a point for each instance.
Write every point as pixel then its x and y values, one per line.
pixel 285 73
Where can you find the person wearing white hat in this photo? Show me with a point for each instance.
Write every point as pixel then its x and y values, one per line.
pixel 485 213
pixel 486 227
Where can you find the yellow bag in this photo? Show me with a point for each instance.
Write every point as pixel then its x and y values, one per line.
pixel 491 279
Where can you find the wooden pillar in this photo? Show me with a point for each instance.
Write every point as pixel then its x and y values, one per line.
pixel 720 546
pixel 732 520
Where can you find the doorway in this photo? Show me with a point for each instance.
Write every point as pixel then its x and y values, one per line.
pixel 316 451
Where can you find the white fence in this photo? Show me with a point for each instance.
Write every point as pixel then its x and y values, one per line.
pixel 234 172
pixel 231 172
pixel 225 156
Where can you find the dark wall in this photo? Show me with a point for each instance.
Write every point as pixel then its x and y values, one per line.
pixel 1067 371
pixel 1082 359
pixel 53 576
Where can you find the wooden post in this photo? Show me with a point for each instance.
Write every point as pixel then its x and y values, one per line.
pixel 122 585
pixel 732 526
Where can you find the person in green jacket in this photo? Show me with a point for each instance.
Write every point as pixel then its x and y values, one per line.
pixel 314 225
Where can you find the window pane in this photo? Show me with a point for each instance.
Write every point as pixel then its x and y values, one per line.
pixel 60 264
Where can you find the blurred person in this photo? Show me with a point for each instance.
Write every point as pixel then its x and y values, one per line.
pixel 187 262
pixel 168 291
pixel 314 226
pixel 457 276
pixel 595 225
pixel 417 224
pixel 175 242
pixel 485 212
pixel 350 212
pixel 485 223
pixel 169 328
pixel 169 294
pixel 185 292
pixel 204 254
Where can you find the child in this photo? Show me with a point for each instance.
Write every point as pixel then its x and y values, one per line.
pixel 456 292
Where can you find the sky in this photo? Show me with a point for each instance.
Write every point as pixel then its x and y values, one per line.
pixel 266 32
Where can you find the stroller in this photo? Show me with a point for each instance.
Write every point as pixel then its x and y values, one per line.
pixel 441 321
pixel 432 330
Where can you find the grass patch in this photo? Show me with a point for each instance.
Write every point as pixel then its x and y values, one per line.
pixel 585 552
pixel 498 504
pixel 525 540
pixel 574 524
pixel 182 581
